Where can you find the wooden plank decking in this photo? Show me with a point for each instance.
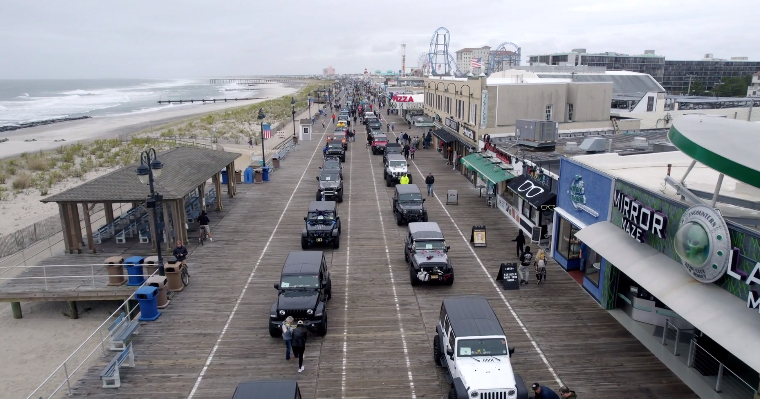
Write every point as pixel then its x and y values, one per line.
pixel 380 332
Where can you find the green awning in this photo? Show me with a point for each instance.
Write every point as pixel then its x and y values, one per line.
pixel 486 169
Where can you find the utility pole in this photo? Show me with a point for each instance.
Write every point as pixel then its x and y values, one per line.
pixel 403 61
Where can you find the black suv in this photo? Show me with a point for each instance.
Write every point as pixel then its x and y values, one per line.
pixel 374 124
pixel 322 225
pixel 426 252
pixel 330 186
pixel 303 292
pixel 408 204
pixel 332 164
pixel 335 149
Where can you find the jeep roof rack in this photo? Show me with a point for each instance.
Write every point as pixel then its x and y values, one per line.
pixel 315 206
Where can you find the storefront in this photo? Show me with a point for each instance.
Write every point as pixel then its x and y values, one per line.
pixel 583 199
pixel 530 204
pixel 488 171
pixel 682 268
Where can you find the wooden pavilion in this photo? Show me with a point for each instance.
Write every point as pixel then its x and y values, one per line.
pixel 186 170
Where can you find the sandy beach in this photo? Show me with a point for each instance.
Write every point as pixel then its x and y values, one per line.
pixel 46 336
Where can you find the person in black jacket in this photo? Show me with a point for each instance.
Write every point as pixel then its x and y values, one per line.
pixel 543 392
pixel 298 342
pixel 180 252
pixel 203 220
pixel 430 180
pixel 520 240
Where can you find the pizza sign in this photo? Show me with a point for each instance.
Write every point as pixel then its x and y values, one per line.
pixel 402 99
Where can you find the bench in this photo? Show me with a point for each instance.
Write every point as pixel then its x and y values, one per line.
pixel 121 238
pixel 144 235
pixel 110 374
pixel 121 331
pixel 131 230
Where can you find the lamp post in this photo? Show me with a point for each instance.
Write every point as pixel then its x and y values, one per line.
pixel 293 104
pixel 261 124
pixel 150 168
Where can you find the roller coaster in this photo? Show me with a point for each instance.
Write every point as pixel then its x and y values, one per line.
pixel 438 61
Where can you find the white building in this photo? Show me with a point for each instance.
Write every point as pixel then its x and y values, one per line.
pixel 754 89
pixel 464 58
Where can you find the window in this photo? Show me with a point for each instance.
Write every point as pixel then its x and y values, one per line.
pixel 569 246
pixel 650 104
pixel 473 114
pixel 569 112
pixel 527 210
pixel 593 264
pixel 549 112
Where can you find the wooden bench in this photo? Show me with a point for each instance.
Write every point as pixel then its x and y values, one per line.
pixel 121 332
pixel 110 374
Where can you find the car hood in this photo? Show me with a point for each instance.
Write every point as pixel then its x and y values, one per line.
pixel 410 206
pixel 297 299
pixel 329 184
pixel 320 226
pixel 335 150
pixel 383 143
pixel 489 373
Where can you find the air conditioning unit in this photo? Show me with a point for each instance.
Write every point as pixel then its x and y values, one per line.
pixel 594 144
pixel 536 133
pixel 640 142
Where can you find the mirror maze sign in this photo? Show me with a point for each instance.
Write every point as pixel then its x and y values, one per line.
pixel 639 220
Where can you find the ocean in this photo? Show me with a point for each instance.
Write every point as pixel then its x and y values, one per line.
pixel 24 101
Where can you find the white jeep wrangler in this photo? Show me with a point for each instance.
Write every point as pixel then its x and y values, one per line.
pixel 471 345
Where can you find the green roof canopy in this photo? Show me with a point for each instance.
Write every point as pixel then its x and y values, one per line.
pixel 486 169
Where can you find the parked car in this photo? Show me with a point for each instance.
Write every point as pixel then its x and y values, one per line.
pixel 379 141
pixel 408 204
pixel 330 186
pixel 394 167
pixel 426 253
pixel 322 225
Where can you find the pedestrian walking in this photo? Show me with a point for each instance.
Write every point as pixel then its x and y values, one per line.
pixel 299 343
pixel 250 142
pixel 430 180
pixel 404 179
pixel 323 124
pixel 540 266
pixel 411 152
pixel 333 118
pixel 406 151
pixel 566 393
pixel 393 127
pixel 388 127
pixel 287 335
pixel 520 240
pixel 525 262
pixel 543 392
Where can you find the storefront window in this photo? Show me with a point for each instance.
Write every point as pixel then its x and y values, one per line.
pixel 569 246
pixel 527 210
pixel 593 264
pixel 511 198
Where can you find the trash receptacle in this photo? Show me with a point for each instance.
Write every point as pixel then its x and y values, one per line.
pixel 161 283
pixel 224 176
pixel 147 297
pixel 134 265
pixel 150 265
pixel 239 177
pixel 257 176
pixel 265 173
pixel 248 175
pixel 276 162
pixel 115 269
pixel 174 276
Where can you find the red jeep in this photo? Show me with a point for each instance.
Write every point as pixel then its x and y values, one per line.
pixel 379 141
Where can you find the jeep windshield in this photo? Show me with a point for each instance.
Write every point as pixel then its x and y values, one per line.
pixel 430 245
pixel 327 216
pixel 329 177
pixel 410 197
pixel 482 347
pixel 335 145
pixel 397 164
pixel 381 137
pixel 299 282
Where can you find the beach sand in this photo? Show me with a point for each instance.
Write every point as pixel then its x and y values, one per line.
pixel 45 337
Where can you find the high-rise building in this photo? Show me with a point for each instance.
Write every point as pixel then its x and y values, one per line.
pixel 329 71
pixel 648 63
pixel 708 71
pixel 464 58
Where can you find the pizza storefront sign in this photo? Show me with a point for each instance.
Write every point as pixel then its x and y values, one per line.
pixel 400 98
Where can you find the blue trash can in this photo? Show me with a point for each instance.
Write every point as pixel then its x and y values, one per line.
pixel 147 297
pixel 134 267
pixel 265 173
pixel 248 175
pixel 224 176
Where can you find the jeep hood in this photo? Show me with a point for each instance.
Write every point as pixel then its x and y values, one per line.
pixel 328 184
pixel 489 373
pixel 297 299
pixel 410 206
pixel 313 225
pixel 382 143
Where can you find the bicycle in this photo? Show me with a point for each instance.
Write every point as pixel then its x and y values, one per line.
pixel 204 235
pixel 184 272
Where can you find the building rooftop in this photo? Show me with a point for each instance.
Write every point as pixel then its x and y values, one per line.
pixel 623 82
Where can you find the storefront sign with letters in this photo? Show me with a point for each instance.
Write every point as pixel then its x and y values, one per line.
pixel 640 220
pixel 452 124
pixel 483 108
pixel 399 98
pixel 468 133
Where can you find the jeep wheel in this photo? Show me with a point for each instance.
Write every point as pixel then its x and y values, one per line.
pixel 374 152
pixel 319 196
pixel 399 219
pixel 304 243
pixel 437 350
pixel 388 181
pixel 406 257
pixel 343 159
pixel 410 178
pixel 452 393
pixel 450 281
pixel 322 328
pixel 340 198
pixel 425 217
pixel 274 332
pixel 413 277
pixel 328 291
pixel 336 242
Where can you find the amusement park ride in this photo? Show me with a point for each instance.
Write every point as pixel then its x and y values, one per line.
pixel 438 61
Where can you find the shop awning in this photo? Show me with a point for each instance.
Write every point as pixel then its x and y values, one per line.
pixel 486 169
pixel 719 314
pixel 447 137
pixel 535 193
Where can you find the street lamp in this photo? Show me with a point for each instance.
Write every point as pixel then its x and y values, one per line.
pixel 293 104
pixel 261 124
pixel 150 168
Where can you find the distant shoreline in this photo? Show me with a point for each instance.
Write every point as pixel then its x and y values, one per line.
pixel 10 128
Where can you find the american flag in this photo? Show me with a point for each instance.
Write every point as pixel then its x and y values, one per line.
pixel 476 63
pixel 267 131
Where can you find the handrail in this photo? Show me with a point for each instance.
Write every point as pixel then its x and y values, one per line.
pixel 722 368
pixel 102 340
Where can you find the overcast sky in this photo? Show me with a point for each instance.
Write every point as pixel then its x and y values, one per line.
pixel 194 38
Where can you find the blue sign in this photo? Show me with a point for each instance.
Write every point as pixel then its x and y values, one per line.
pixel 583 192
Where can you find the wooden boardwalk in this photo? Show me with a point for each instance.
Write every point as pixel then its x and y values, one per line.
pixel 379 343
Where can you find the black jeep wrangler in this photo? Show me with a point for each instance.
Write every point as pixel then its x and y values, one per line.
pixel 408 204
pixel 330 186
pixel 335 149
pixel 426 252
pixel 322 225
pixel 303 292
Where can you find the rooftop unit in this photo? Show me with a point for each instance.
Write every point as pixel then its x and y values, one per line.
pixel 536 133
pixel 594 145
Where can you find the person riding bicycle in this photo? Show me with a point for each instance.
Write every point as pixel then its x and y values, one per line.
pixel 203 220
pixel 180 252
